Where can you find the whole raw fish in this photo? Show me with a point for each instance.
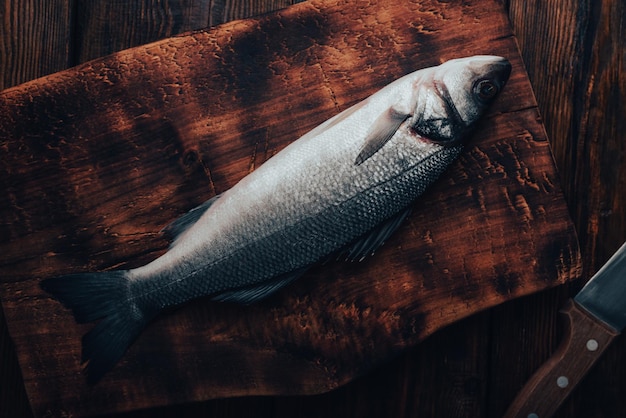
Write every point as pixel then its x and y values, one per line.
pixel 342 188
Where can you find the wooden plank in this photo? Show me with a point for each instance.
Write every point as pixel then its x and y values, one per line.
pixel 594 80
pixel 35 39
pixel 226 10
pixel 107 27
pixel 506 175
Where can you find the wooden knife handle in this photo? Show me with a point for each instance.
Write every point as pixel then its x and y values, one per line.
pixel 585 340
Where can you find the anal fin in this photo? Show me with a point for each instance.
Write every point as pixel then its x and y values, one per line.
pixel 370 242
pixel 250 294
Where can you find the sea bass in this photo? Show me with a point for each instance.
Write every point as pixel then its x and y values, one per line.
pixel 340 189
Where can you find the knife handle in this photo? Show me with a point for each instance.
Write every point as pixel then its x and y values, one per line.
pixel 586 338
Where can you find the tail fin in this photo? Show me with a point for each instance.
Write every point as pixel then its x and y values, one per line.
pixel 105 297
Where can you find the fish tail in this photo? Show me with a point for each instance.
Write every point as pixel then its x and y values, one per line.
pixel 106 297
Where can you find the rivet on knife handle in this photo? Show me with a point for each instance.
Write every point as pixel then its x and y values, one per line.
pixel 585 340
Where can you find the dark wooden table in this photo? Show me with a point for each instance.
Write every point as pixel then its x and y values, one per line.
pixel 574 52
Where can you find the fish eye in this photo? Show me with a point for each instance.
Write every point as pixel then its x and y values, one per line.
pixel 486 89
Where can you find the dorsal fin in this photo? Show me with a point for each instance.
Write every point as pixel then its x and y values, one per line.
pixel 180 225
pixel 383 128
pixel 340 117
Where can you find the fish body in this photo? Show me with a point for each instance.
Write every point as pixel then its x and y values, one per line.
pixel 342 188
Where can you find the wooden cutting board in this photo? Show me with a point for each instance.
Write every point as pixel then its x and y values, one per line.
pixel 95 160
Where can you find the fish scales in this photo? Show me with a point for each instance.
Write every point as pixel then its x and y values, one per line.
pixel 342 188
pixel 310 239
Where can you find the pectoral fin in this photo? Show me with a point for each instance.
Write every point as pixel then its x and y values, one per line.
pixel 384 127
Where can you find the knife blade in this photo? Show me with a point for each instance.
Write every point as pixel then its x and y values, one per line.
pixel 594 317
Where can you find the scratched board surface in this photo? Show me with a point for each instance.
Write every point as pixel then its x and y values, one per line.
pixel 96 160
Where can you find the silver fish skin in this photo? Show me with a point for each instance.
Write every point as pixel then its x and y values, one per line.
pixel 342 188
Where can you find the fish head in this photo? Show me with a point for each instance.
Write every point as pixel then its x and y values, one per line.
pixel 458 93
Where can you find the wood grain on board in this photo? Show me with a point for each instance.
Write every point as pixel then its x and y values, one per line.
pixel 98 158
pixel 574 53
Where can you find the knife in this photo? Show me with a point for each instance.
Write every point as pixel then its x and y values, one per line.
pixel 594 317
